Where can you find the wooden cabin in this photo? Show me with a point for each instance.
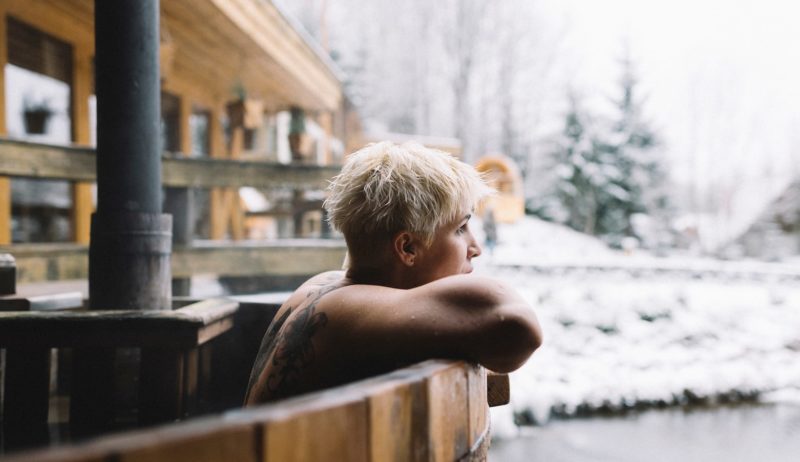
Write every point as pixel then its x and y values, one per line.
pixel 246 101
pixel 238 81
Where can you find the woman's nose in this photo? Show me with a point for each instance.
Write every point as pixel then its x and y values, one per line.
pixel 474 248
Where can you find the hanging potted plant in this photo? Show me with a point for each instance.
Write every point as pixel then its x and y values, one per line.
pixel 245 112
pixel 35 116
pixel 298 139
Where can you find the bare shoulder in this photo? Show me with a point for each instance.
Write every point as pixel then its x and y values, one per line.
pixel 459 291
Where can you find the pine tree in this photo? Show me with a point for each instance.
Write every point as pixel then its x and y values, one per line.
pixel 607 172
pixel 633 144
pixel 586 176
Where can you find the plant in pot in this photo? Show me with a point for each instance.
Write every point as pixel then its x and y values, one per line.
pixel 36 115
pixel 297 135
pixel 245 112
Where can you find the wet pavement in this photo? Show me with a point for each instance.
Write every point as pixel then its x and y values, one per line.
pixel 743 433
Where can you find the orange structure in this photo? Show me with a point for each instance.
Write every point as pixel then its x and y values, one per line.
pixel 503 175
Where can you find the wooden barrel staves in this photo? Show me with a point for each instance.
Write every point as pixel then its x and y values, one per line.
pixel 433 411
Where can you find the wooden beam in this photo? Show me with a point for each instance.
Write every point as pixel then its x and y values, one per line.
pixel 326 122
pixel 3 62
pixel 78 31
pixel 82 206
pixel 54 262
pixel 279 258
pixel 216 140
pixel 18 158
pixel 184 128
pixel 5 182
pixel 498 389
pixel 186 327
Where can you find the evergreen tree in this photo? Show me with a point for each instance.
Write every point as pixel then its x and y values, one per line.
pixel 585 173
pixel 607 171
pixel 633 144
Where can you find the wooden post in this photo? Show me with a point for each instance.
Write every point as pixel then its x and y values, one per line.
pixel 326 122
pixel 82 207
pixel 25 399
pixel 216 140
pixel 179 202
pixel 5 182
pixel 226 208
pixel 233 206
pixel 161 385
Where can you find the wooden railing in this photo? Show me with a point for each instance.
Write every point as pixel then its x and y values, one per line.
pixel 32 160
pixel 433 411
pixel 169 370
pixel 59 261
pixel 286 257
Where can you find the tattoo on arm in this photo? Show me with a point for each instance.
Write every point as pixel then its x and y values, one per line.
pixel 288 344
pixel 295 352
pixel 267 347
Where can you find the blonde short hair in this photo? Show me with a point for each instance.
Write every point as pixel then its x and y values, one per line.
pixel 385 188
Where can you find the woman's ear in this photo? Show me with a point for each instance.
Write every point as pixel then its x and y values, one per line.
pixel 405 247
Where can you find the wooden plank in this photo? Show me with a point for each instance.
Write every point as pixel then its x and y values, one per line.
pixel 337 432
pixel 184 328
pixel 288 257
pixel 44 302
pixel 184 130
pixel 82 206
pixel 398 421
pixel 80 454
pixel 81 91
pixel 3 62
pixel 478 407
pixel 25 398
pixel 161 385
pixel 326 122
pixel 32 160
pixel 448 414
pixel 8 274
pixel 200 440
pixel 92 407
pixel 282 258
pixel 336 424
pixel 23 159
pixel 5 210
pixel 207 440
pixel 191 377
pixel 214 172
pixel 498 390
pixel 216 140
pixel 5 183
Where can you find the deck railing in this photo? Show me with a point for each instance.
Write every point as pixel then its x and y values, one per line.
pixel 59 261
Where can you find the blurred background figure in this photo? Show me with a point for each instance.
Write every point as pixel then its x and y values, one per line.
pixel 489 230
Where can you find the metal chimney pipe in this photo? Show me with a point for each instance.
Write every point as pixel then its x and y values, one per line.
pixel 129 254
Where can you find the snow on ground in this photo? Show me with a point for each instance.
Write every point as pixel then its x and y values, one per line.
pixel 618 338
